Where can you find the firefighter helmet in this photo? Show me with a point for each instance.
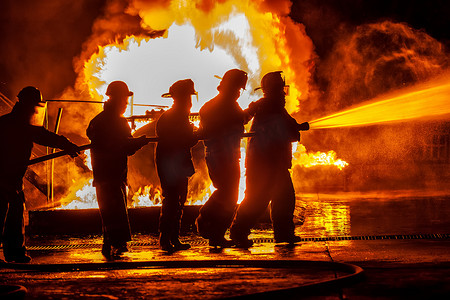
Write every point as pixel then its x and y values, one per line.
pixel 181 87
pixel 273 82
pixel 234 78
pixel 118 88
pixel 30 96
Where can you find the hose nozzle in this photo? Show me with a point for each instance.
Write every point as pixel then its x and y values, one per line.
pixel 303 126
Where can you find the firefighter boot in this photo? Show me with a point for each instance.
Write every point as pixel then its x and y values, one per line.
pixel 241 240
pixel 23 259
pixel 106 250
pixel 177 245
pixel 164 242
pixel 203 227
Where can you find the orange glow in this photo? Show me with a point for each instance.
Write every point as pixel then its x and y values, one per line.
pixel 325 218
pixel 308 160
pixel 152 196
pixel 84 198
pixel 199 44
pixel 88 160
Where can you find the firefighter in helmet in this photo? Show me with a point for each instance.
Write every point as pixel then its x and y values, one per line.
pixel 17 134
pixel 268 160
pixel 222 123
pixel 176 137
pixel 112 143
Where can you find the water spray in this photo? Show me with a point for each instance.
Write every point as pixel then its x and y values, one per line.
pixel 425 101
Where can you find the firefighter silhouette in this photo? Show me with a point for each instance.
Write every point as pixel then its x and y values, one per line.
pixel 222 123
pixel 112 143
pixel 268 160
pixel 17 136
pixel 176 136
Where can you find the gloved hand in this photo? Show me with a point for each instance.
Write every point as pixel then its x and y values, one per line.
pixel 141 141
pixel 72 149
pixel 303 126
pixel 252 108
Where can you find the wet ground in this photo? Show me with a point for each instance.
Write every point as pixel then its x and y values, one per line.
pixel 401 242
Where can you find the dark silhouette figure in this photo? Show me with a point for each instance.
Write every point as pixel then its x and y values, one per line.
pixel 17 136
pixel 222 123
pixel 112 143
pixel 269 156
pixel 176 136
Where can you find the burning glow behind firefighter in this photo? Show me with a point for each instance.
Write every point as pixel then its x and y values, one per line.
pixel 200 42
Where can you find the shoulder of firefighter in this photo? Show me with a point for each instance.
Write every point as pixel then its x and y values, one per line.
pixel 176 132
pixel 252 109
pixel 278 128
pixel 112 134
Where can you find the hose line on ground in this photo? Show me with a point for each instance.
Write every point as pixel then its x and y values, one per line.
pixel 352 275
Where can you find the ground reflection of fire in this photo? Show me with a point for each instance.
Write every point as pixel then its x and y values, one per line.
pixel 325 216
pixel 198 44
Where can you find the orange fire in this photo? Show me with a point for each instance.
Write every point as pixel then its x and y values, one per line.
pixel 308 160
pixel 200 41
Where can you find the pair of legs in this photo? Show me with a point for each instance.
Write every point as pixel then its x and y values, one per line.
pixel 266 184
pixel 217 213
pixel 112 202
pixel 12 205
pixel 174 193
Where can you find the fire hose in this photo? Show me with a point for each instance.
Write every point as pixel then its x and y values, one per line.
pixel 301 127
pixel 353 273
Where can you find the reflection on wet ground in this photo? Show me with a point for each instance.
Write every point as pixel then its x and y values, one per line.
pixel 316 216
pixel 331 215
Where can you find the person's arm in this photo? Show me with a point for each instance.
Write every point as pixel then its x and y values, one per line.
pixel 47 138
pixel 176 134
pixel 293 128
pixel 114 139
pixel 250 112
pixel 134 144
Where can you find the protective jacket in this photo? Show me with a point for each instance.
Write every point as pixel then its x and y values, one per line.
pixel 221 125
pixel 275 130
pixel 175 138
pixel 17 139
pixel 112 143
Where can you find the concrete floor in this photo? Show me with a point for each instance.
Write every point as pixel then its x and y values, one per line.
pixel 408 268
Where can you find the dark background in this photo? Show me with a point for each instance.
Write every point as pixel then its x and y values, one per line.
pixel 40 39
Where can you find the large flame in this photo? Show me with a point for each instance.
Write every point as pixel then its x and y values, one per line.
pixel 198 42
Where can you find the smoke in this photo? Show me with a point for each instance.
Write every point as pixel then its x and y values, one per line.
pixel 378 58
pixel 371 60
pixel 39 41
